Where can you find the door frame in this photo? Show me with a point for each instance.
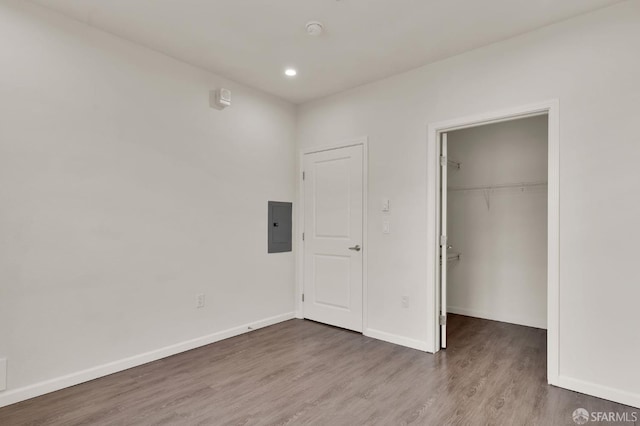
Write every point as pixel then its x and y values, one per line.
pixel 551 109
pixel 364 142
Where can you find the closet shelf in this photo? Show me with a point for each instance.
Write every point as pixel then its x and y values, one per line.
pixel 498 186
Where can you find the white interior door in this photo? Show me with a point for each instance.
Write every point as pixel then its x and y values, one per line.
pixel 443 240
pixel 333 218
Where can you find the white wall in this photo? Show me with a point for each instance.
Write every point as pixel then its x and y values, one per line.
pixel 123 196
pixel 591 65
pixel 501 233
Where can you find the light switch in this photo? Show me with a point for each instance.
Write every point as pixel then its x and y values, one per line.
pixel 385 205
pixel 386 227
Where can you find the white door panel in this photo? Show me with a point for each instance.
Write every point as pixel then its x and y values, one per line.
pixel 332 198
pixel 333 189
pixel 332 276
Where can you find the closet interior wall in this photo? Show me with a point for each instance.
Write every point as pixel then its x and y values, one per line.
pixel 497 214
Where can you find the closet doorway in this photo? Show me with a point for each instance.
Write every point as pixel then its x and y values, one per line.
pixel 497 223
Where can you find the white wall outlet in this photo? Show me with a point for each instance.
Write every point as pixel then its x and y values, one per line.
pixel 386 206
pixel 405 301
pixel 3 374
pixel 386 227
pixel 200 299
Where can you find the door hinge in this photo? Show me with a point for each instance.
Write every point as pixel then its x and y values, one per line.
pixel 443 161
pixel 303 236
pixel 303 175
pixel 303 297
pixel 443 240
pixel 443 320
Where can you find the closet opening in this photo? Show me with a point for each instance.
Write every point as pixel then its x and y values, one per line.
pixel 496 231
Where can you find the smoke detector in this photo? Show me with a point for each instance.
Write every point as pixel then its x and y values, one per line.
pixel 314 28
pixel 220 98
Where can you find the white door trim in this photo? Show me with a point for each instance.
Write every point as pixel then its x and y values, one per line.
pixel 551 108
pixel 364 141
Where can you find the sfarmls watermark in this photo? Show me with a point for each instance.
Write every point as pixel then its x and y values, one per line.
pixel 582 416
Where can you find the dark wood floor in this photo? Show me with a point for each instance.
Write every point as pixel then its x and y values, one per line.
pixel 301 372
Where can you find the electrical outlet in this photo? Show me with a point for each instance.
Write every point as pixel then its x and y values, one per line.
pixel 200 301
pixel 405 301
pixel 386 227
pixel 3 374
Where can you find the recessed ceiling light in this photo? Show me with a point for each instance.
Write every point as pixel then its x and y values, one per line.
pixel 290 72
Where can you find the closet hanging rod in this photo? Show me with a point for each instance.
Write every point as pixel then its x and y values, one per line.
pixel 453 257
pixel 499 186
pixel 455 164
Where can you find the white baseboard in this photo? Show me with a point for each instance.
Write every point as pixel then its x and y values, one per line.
pixel 604 392
pixel 396 339
pixel 511 319
pixel 41 388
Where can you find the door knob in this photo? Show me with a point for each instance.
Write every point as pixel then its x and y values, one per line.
pixel 356 248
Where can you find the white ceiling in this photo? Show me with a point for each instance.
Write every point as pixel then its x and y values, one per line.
pixel 252 41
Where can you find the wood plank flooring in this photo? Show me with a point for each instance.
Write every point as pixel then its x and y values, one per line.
pixel 301 372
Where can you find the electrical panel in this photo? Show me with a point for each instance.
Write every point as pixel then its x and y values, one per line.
pixel 279 227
